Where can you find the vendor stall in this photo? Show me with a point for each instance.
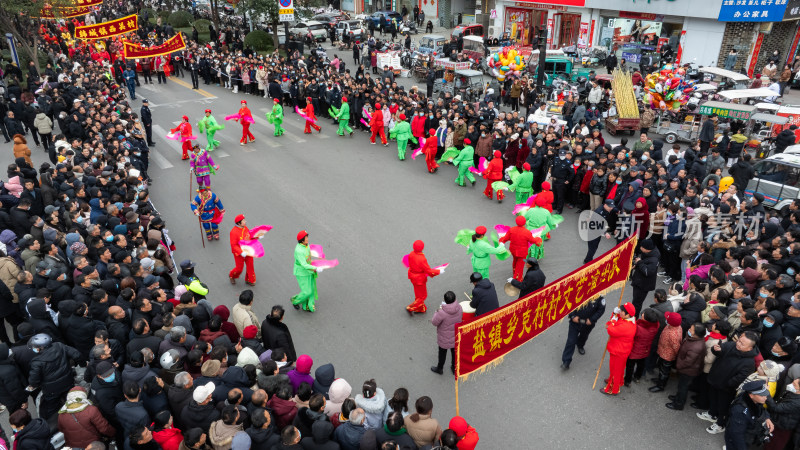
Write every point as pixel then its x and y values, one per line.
pixel 725 110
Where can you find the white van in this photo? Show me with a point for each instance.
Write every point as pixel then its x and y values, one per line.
pixel 777 178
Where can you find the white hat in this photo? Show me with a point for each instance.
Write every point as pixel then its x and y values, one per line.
pixel 457 97
pixel 201 393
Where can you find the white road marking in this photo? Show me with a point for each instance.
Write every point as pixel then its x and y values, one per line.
pixel 159 159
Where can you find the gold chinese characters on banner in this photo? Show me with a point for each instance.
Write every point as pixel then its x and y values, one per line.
pixel 172 44
pixel 108 29
pixel 64 13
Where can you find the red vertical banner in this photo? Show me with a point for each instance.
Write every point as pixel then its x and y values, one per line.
pixel 681 43
pixel 550 26
pixel 793 49
pixel 583 35
pixel 591 35
pixel 751 67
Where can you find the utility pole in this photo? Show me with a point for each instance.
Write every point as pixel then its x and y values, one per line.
pixel 542 61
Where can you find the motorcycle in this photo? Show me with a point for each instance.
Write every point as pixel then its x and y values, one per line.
pixel 408 26
pixel 406 59
pixel 594 56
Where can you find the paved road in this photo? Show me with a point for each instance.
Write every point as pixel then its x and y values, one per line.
pixel 366 208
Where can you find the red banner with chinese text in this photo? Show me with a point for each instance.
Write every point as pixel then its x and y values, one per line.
pixel 172 44
pixel 64 13
pixel 108 29
pixel 486 340
pixel 82 3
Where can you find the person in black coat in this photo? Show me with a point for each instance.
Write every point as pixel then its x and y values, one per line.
pixel 51 370
pixel 484 296
pixel 31 434
pixel 533 281
pixel 734 362
pixel 12 390
pixel 784 139
pixel 748 427
pixel 20 217
pixel 13 125
pixel 644 273
pixel 742 172
pixel 275 334
pixel 581 323
pixel 147 121
pixel 131 413
pixel 106 391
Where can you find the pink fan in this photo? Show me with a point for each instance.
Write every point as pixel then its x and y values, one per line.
pixel 442 267
pixel 316 251
pixel 538 231
pixel 233 117
pixel 303 115
pixel 405 260
pixel 483 164
pixel 248 119
pixel 174 136
pixel 366 124
pixel 416 153
pixel 325 263
pixel 259 231
pixel 501 229
pixel 252 248
pixel 474 170
pixel 522 207
pixel 188 138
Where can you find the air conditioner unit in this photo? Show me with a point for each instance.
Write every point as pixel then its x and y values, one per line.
pixel 492 30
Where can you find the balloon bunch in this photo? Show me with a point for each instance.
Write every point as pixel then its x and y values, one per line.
pixel 506 61
pixel 667 89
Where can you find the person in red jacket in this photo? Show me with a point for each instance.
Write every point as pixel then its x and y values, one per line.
pixel 309 112
pixel 241 233
pixel 165 433
pixel 376 125
pixel 646 330
pixel 418 125
pixel 430 149
pixel 467 436
pixel 185 129
pixel 245 118
pixel 418 273
pixel 494 172
pixel 583 192
pixel 621 331
pixel 521 240
pixel 547 196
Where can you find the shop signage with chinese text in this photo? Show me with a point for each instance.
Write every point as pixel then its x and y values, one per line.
pixel 724 113
pixel 549 3
pixel 752 10
pixel 541 6
pixel 792 10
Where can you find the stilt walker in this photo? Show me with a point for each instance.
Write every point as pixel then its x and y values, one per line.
pixel 402 131
pixel 203 166
pixel 246 118
pixel 185 130
pixel 241 233
pixel 343 116
pixel 522 183
pixel 306 275
pixel 208 207
pixel 430 149
pixel 494 172
pixel 309 112
pixel 463 162
pixel 521 239
pixel 418 273
pixel 376 125
pixel 275 117
pixel 209 126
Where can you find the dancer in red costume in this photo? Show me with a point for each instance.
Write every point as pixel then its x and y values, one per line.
pixel 185 128
pixel 547 197
pixel 621 329
pixel 244 111
pixel 494 172
pixel 241 233
pixel 521 239
pixel 418 273
pixel 429 149
pixel 376 125
pixel 309 111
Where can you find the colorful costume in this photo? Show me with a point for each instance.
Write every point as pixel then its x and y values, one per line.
pixel 418 273
pixel 402 130
pixel 309 111
pixel 546 196
pixel 306 275
pixel 203 166
pixel 494 173
pixel 185 129
pixel 481 250
pixel 463 162
pixel 521 240
pixel 522 184
pixel 430 149
pixel 241 233
pixel 376 125
pixel 207 206
pixel 343 116
pixel 209 126
pixel 246 118
pixel 620 344
pixel 275 117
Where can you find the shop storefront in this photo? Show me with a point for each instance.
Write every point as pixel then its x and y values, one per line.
pixel 630 35
pixel 523 21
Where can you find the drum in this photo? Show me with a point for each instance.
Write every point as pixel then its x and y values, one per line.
pixel 511 290
pixel 467 312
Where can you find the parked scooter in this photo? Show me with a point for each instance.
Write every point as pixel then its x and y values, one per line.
pixel 408 26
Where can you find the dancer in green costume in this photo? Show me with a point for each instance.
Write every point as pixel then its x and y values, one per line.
pixel 343 116
pixel 522 183
pixel 306 275
pixel 464 161
pixel 402 130
pixel 275 117
pixel 209 126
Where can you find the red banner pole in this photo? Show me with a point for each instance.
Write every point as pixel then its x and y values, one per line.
pixel 597 375
pixel 458 413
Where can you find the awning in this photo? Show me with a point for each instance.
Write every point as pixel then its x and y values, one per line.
pixel 735 76
pixel 770 118
pixel 747 93
pixel 705 87
pixel 768 106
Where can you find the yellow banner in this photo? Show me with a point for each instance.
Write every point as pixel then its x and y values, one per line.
pixel 172 44
pixel 108 29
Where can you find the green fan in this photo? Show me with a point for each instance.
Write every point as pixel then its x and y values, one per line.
pixel 464 237
pixel 449 154
pixel 201 125
pixel 513 174
pixel 500 185
pixel 216 127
